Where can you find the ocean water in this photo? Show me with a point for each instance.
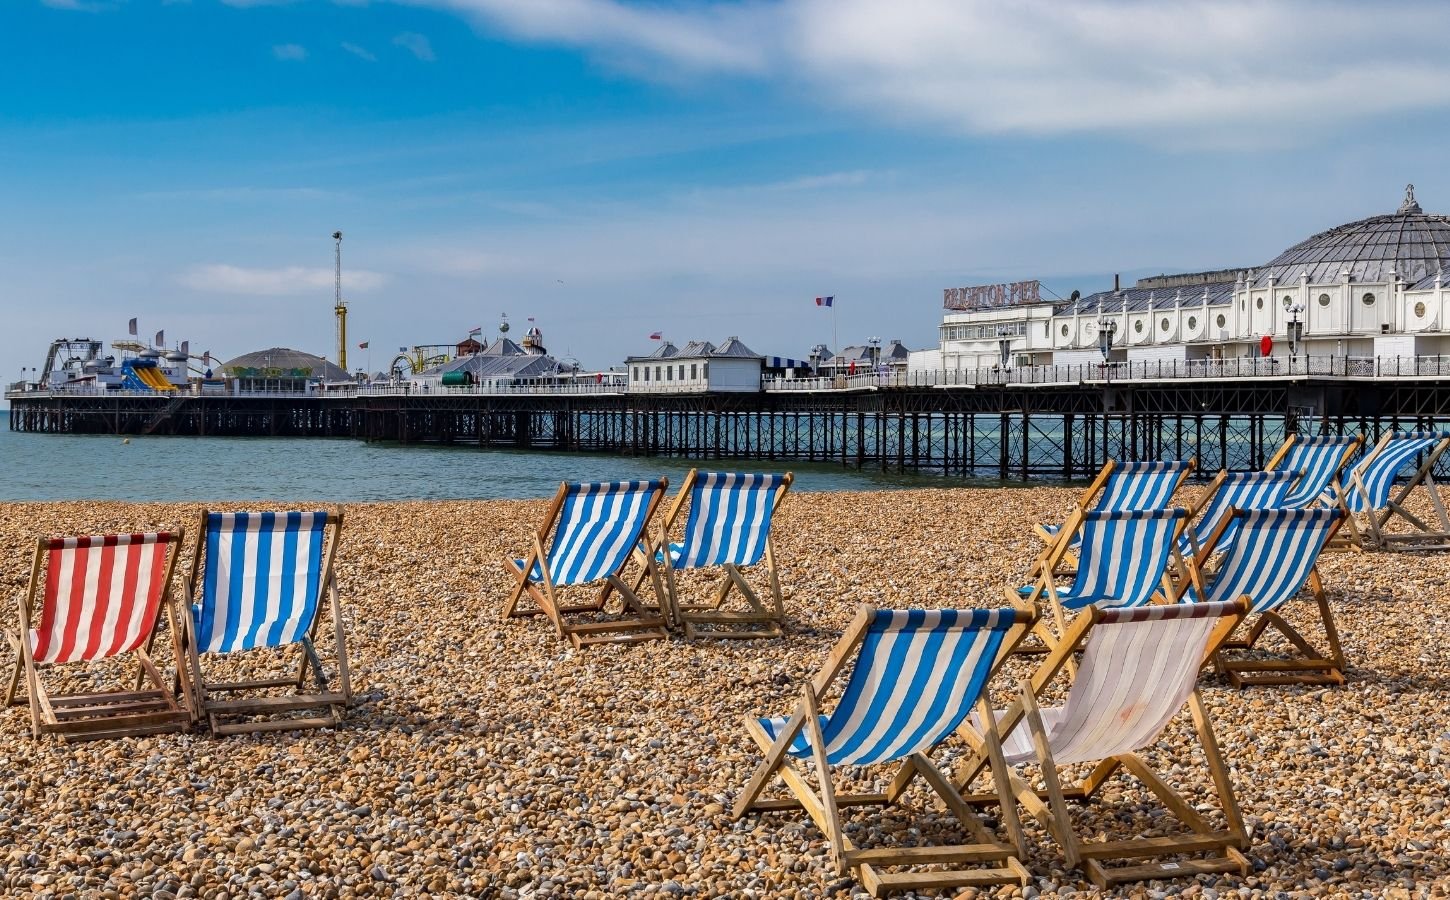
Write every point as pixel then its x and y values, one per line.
pixel 179 469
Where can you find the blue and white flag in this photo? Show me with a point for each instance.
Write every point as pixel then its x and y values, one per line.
pixel 825 301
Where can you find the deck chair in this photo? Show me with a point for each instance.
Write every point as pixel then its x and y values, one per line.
pixel 1118 487
pixel 1138 668
pixel 1322 459
pixel 1369 490
pixel 99 596
pixel 599 528
pixel 1128 559
pixel 917 674
pixel 260 580
pixel 1270 556
pixel 728 528
pixel 1230 491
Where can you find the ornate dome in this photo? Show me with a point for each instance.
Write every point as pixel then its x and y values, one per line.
pixel 1408 243
pixel 280 362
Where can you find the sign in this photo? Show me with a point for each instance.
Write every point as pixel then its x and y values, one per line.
pixel 989 296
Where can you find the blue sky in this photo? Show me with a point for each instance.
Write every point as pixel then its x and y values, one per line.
pixel 704 169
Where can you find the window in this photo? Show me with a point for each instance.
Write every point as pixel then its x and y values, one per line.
pixel 646 373
pixel 682 371
pixel 693 373
pixel 1258 303
pixel 1164 324
pixel 1064 329
pixel 1323 299
pixel 1367 299
pixel 1420 310
pixel 704 370
pixel 1288 301
pixel 1192 322
pixel 636 373
pixel 669 373
pixel 1221 321
pixel 657 373
pixel 1138 326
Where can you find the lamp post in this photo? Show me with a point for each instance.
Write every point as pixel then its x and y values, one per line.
pixel 1107 328
pixel 1295 327
pixel 1004 344
pixel 875 343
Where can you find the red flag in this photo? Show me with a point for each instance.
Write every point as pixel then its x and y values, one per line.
pixel 363 345
pixel 656 335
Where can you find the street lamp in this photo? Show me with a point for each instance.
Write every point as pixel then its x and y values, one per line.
pixel 1004 343
pixel 1296 328
pixel 875 343
pixel 1107 328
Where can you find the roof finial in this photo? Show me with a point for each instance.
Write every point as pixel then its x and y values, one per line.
pixel 1409 206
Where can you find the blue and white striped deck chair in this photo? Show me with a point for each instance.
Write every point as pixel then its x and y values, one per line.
pixel 1231 491
pixel 1119 487
pixel 1270 555
pixel 1369 489
pixel 1321 458
pixel 258 580
pixel 728 528
pixel 599 526
pixel 1126 559
pixel 917 675
pixel 1139 666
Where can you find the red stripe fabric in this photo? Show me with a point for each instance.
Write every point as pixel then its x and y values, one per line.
pixel 93 618
pixel 103 595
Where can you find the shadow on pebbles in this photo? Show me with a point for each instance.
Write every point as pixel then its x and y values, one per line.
pixel 488 759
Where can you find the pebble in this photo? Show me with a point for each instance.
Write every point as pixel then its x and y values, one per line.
pixel 486 758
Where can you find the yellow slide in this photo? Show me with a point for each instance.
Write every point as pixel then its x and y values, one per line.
pixel 153 379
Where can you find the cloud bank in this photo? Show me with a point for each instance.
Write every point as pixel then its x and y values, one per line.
pixel 221 278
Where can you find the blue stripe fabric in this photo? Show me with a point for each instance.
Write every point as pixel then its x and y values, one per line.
pixel 917 675
pixel 1272 555
pixel 1133 487
pixel 1319 458
pixel 730 515
pixel 1377 471
pixel 1122 559
pixel 1239 490
pixel 262 580
pixel 599 525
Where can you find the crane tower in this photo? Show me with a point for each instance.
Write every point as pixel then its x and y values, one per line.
pixel 340 309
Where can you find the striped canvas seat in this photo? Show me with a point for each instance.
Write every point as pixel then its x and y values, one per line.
pixel 729 521
pixel 1136 672
pixel 263 579
pixel 1123 558
pixel 1135 487
pixel 1270 555
pixel 1373 476
pixel 1320 459
pixel 1238 490
pixel 599 525
pixel 102 596
pixel 917 676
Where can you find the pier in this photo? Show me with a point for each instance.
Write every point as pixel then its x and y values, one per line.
pixel 1007 424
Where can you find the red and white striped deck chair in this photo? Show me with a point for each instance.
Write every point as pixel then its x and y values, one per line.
pixel 92 598
pixel 1139 667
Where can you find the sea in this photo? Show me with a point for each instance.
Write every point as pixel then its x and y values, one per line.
pixel 181 469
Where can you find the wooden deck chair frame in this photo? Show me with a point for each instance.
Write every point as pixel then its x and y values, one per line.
pixel 1084 502
pixel 823 805
pixel 768 621
pixel 1333 486
pixel 100 714
pixel 639 621
pixel 1046 584
pixel 1049 803
pixel 1373 536
pixel 231 714
pixel 1312 667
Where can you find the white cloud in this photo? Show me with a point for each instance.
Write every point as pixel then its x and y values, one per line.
pixel 221 278
pixel 416 44
pixel 290 52
pixel 1220 68
pixel 359 52
pixel 79 5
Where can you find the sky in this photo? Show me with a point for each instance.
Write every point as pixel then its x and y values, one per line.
pixel 700 169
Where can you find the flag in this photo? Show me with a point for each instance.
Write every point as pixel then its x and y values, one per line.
pixel 402 349
pixel 656 335
pixel 363 345
pixel 531 318
pixel 186 348
pixel 477 329
pixel 133 328
pixel 825 301
pixel 161 338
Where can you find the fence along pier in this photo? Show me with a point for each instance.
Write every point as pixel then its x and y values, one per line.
pixel 1010 431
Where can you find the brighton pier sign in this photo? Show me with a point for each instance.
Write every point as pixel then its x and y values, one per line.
pixel 989 296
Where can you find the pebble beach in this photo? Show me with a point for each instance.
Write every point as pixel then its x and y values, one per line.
pixel 489 759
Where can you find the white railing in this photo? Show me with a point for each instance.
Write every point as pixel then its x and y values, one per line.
pixel 344 392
